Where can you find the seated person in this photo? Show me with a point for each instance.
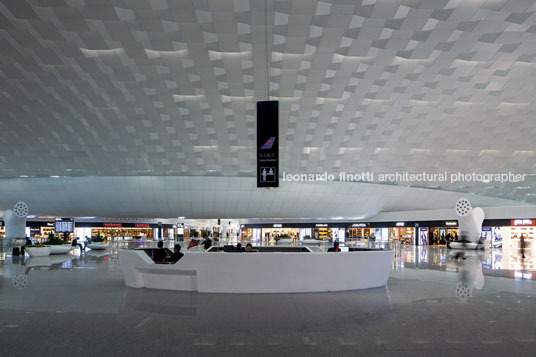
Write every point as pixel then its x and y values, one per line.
pixel 249 248
pixel 335 248
pixel 239 247
pixel 160 254
pixel 177 255
pixel 75 244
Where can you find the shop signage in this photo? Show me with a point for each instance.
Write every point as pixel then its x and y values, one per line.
pixel 113 225
pixel 268 144
pixel 321 225
pixel 142 225
pixel 359 225
pixel 400 224
pixel 451 223
pixel 278 226
pixel 242 226
pixel 49 224
pixel 523 222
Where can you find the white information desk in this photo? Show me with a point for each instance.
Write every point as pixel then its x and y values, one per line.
pixel 270 272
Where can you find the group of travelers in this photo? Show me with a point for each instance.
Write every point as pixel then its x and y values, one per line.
pixel 160 255
pixel 247 249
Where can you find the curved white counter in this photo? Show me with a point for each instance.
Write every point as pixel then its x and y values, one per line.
pixel 259 272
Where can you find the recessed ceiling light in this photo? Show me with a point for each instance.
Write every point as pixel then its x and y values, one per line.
pixel 23 176
pixel 55 176
pixel 182 217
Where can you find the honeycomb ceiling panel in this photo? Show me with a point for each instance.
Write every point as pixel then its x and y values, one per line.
pixel 168 88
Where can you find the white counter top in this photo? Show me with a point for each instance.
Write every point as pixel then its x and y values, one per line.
pixel 259 272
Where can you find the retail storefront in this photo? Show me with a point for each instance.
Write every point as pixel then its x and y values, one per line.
pixel 118 231
pixel 508 233
pixel 270 233
pixel 402 233
pixel 43 230
pixel 447 232
pixel 358 231
pixel 39 231
pixel 68 228
pixel 277 232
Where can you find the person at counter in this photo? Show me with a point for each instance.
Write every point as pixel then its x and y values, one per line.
pixel 176 255
pixel 335 248
pixel 160 254
pixel 207 243
pixel 249 248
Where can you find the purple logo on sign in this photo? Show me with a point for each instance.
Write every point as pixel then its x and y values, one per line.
pixel 268 145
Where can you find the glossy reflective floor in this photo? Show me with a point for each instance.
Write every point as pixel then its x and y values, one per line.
pixel 437 302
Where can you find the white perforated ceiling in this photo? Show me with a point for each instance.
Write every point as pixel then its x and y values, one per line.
pixel 138 87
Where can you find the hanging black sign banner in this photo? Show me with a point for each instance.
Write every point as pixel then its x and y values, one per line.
pixel 268 143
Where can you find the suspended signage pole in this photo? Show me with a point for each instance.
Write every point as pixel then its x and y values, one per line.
pixel 267 128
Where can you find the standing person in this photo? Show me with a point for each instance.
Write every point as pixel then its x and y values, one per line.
pixel 207 243
pixel 522 245
pixel 86 241
pixel 160 254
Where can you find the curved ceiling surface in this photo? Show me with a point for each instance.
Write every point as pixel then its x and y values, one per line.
pixel 168 88
pixel 229 197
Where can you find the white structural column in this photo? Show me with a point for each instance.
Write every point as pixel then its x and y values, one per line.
pixel 15 221
pixel 469 220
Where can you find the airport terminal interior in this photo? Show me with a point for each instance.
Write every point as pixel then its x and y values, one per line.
pixel 267 178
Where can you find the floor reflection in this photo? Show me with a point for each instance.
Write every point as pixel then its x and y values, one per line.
pixel 78 304
pixel 470 275
pixel 505 262
pixel 280 313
